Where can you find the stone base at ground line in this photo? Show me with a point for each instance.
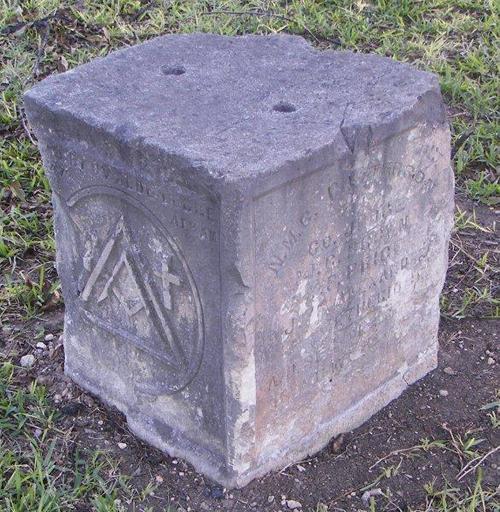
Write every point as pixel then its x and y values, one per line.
pixel 349 420
pixel 204 460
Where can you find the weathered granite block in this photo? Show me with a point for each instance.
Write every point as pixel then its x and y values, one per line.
pixel 252 238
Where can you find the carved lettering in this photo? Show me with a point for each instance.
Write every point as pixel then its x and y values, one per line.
pixel 195 218
pixel 356 259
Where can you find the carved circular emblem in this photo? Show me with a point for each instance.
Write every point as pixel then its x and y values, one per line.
pixel 135 284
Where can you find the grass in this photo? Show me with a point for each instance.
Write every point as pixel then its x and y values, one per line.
pixel 37 471
pixel 453 499
pixel 457 39
pixel 473 290
pixel 485 189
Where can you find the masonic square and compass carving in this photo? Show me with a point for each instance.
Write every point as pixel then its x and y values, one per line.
pixel 134 283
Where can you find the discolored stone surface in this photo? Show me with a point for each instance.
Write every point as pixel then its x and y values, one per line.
pixel 252 239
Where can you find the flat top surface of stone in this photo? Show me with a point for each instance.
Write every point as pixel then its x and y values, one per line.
pixel 236 105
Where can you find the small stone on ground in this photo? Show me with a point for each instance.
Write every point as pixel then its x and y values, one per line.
pixel 27 361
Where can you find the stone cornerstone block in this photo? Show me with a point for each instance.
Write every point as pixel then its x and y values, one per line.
pixel 252 238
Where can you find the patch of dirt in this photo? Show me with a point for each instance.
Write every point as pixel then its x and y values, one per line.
pixel 444 406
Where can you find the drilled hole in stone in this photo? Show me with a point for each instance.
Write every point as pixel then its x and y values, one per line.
pixel 285 107
pixel 173 70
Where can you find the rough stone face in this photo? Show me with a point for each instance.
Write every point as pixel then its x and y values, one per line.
pixel 252 238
